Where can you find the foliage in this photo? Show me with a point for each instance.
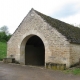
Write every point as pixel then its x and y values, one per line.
pixel 4 29
pixel 4 37
pixel 3 50
pixel 4 34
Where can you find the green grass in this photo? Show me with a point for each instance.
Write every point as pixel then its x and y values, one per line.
pixel 75 71
pixel 3 50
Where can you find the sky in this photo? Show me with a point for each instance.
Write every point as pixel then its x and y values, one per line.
pixel 12 12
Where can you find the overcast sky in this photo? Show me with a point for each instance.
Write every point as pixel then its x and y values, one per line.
pixel 12 12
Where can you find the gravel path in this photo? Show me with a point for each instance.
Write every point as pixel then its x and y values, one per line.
pixel 18 72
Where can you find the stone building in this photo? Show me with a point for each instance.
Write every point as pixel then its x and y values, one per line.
pixel 40 39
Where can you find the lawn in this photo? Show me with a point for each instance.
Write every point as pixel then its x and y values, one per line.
pixel 3 50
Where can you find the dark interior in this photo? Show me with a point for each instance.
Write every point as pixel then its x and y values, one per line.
pixel 34 52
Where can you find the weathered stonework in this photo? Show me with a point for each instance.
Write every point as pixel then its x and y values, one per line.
pixel 57 48
pixel 75 53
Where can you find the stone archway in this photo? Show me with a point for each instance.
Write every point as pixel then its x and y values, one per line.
pixel 34 51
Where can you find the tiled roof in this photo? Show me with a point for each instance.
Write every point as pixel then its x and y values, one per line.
pixel 70 32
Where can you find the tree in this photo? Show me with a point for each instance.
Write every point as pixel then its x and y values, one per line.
pixel 4 29
pixel 4 34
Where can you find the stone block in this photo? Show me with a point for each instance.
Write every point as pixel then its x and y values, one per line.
pixel 9 60
pixel 56 66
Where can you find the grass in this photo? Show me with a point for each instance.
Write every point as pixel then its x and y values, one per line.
pixel 75 71
pixel 3 50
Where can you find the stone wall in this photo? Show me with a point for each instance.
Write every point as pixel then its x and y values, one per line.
pixel 57 48
pixel 75 53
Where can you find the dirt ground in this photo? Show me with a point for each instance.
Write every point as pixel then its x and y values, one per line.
pixel 22 72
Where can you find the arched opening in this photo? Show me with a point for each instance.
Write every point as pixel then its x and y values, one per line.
pixel 34 51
